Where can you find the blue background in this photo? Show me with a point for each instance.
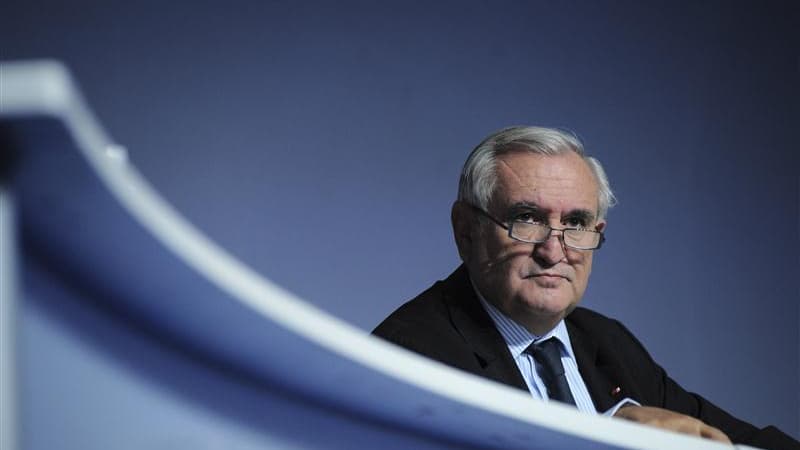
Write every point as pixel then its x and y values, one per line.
pixel 321 142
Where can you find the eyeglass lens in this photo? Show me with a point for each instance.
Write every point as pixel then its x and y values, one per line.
pixel 531 232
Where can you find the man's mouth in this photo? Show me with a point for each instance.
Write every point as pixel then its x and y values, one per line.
pixel 548 276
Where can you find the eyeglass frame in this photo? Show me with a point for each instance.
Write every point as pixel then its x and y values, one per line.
pixel 510 228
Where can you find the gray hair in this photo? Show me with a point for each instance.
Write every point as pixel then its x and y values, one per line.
pixel 479 176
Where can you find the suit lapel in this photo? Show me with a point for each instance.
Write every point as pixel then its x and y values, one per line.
pixel 479 332
pixel 604 379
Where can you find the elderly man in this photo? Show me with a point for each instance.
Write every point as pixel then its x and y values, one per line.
pixel 530 212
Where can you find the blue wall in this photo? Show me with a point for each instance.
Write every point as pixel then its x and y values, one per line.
pixel 321 143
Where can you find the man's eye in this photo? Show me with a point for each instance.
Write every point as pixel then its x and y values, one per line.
pixel 526 217
pixel 575 223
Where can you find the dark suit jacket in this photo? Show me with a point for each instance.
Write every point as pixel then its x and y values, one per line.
pixel 448 323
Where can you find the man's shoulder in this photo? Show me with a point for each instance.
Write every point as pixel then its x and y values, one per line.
pixel 598 326
pixel 434 322
pixel 424 311
pixel 608 339
pixel 585 318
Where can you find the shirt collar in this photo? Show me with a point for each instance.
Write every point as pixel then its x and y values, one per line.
pixel 517 337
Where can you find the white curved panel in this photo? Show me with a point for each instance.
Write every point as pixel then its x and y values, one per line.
pixel 349 369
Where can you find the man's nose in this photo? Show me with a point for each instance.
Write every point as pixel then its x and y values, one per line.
pixel 552 250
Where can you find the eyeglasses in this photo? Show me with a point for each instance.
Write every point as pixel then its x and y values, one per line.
pixel 536 233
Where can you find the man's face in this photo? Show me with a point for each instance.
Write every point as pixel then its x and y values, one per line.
pixel 534 284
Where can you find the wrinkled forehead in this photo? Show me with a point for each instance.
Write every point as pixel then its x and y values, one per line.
pixel 560 182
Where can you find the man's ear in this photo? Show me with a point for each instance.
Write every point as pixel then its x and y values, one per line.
pixel 461 219
pixel 601 225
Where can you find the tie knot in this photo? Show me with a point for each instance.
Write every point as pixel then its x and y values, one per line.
pixel 548 354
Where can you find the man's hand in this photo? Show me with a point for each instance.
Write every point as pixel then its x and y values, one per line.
pixel 669 420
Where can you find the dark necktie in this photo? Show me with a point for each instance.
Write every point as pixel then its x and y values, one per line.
pixel 548 355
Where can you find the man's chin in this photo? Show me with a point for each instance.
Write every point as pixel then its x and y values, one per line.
pixel 551 308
